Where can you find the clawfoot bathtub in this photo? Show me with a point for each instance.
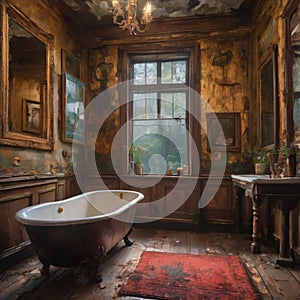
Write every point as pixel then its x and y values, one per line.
pixel 84 227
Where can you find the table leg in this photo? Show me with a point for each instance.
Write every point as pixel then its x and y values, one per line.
pixel 256 238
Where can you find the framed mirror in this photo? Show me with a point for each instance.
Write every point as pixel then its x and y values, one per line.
pixel 268 101
pixel 27 78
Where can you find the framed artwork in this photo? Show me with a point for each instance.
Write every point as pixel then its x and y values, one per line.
pixel 32 118
pixel 72 109
pixel 70 64
pixel 268 101
pixel 296 112
pixel 267 128
pixel 231 125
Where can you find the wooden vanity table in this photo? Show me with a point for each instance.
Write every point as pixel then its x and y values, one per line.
pixel 259 188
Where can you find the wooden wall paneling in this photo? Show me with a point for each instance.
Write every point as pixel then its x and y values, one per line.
pixel 12 232
pixel 275 217
pixel 295 228
pixel 186 215
pixel 18 193
pixel 297 236
pixel 61 189
pixel 188 211
pixel 142 215
pixel 46 193
pixel 220 210
pixel 73 188
pixel 91 183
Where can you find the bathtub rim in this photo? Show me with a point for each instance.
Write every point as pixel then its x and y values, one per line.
pixel 20 215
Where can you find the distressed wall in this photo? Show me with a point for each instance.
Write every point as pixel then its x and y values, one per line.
pixel 223 83
pixel 103 64
pixel 50 21
pixel 269 29
pixel 228 82
pixel 225 87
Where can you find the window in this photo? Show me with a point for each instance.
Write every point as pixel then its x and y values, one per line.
pixel 159 96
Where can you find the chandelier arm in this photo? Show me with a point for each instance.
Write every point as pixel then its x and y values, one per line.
pixel 128 20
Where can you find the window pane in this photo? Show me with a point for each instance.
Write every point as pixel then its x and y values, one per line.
pixel 179 72
pixel 139 106
pixel 179 105
pixel 165 142
pixel 151 106
pixel 144 106
pixel 163 135
pixel 166 106
pixel 173 105
pixel 139 74
pixel 166 72
pixel 151 73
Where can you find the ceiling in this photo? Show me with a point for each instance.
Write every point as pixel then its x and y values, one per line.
pixel 96 13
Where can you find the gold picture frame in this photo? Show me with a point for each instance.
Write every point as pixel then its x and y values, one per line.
pixel 32 117
pixel 231 125
pixel 70 64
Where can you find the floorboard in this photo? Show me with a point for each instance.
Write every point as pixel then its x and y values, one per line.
pixel 24 281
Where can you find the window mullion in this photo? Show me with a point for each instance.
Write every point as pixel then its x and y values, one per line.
pixel 159 73
pixel 158 105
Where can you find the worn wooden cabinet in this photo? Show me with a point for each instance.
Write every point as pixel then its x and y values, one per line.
pixel 220 210
pixel 20 192
pixel 67 187
pixel 276 223
pixel 61 188
pixel 188 212
pixel 72 187
pixel 16 194
pixel 188 215
pixel 295 228
pixel 183 205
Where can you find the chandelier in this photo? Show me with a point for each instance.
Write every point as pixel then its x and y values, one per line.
pixel 128 19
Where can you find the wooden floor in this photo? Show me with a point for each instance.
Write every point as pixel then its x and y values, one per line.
pixel 24 281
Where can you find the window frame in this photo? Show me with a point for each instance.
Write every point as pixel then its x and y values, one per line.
pixel 191 50
pixel 159 88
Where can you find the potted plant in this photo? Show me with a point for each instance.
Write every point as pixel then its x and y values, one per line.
pixel 137 153
pixel 260 160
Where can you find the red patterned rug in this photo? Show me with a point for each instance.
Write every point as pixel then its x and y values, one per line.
pixel 162 275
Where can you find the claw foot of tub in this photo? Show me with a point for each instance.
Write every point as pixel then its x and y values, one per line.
pixel 45 270
pixel 127 241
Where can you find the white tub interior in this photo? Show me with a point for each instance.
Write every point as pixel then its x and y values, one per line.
pixel 86 206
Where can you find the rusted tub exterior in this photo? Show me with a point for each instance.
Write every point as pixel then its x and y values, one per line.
pixel 84 227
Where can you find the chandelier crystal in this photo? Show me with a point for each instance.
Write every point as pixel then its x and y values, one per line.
pixel 126 17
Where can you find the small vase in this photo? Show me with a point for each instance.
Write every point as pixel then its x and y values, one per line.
pixel 179 171
pixel 168 172
pixel 260 168
pixel 138 169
